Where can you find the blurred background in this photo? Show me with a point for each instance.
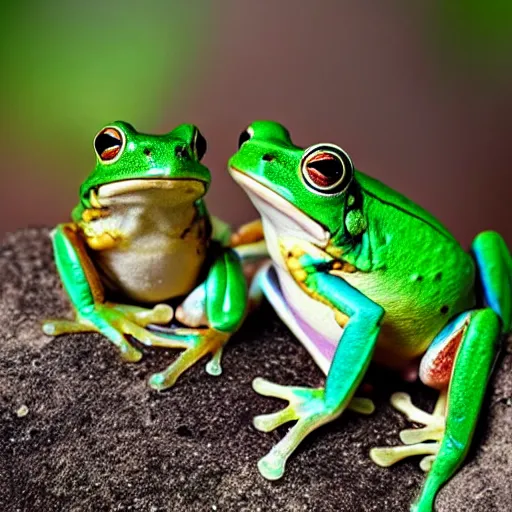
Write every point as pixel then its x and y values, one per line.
pixel 418 93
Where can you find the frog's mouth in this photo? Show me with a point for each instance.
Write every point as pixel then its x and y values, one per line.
pixel 136 191
pixel 274 207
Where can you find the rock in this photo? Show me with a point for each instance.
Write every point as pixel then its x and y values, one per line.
pixel 93 436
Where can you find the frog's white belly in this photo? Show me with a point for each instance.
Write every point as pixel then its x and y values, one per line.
pixel 161 255
pixel 324 334
pixel 311 321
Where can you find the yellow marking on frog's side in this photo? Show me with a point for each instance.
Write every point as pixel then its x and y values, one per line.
pixel 341 318
pixel 102 242
pixel 342 267
pixel 293 263
pixel 99 235
pixel 94 213
pixel 291 252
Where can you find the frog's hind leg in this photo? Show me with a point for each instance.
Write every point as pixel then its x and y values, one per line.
pixel 414 438
pixel 221 302
pixel 92 314
pixel 459 364
pixel 495 273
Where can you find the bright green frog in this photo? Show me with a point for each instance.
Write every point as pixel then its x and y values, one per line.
pixel 141 234
pixel 359 273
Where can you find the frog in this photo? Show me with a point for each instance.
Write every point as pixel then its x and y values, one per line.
pixel 360 274
pixel 141 239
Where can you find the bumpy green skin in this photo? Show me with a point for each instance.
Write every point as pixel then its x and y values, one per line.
pixel 152 217
pixel 395 273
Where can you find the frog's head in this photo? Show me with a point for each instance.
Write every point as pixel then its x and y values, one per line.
pixel 305 191
pixel 129 162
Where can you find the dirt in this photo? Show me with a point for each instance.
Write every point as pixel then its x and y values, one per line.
pixel 81 431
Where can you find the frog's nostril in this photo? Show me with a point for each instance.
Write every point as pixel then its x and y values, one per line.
pixel 147 152
pixel 267 158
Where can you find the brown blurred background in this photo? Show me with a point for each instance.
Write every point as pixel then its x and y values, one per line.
pixel 420 96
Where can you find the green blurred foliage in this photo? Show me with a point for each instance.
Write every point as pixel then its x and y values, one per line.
pixel 476 37
pixel 68 68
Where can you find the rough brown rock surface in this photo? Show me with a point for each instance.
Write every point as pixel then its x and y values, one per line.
pixel 95 437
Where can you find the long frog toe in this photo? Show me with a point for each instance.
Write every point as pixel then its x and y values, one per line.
pixel 306 405
pixel 129 353
pixel 272 465
pixel 295 396
pixel 198 343
pixel 54 327
pixel 95 322
pixel 160 314
pixel 414 438
pixel 213 366
pixel 116 321
pixel 110 323
pixel 269 422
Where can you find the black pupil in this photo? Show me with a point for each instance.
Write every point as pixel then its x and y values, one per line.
pixel 244 137
pixel 200 145
pixel 105 141
pixel 332 169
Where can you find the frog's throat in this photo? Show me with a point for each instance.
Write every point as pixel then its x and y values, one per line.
pixel 270 200
pixel 184 190
pixel 127 186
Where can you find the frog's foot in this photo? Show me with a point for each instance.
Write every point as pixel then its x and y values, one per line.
pixel 159 314
pixel 308 407
pixel 199 342
pixel 414 438
pixel 249 243
pixel 247 234
pixel 116 321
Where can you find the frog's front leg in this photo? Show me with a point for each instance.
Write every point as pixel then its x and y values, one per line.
pixel 85 290
pixel 315 407
pixel 220 303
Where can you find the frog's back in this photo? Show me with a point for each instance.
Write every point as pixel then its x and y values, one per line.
pixel 414 268
pixel 387 195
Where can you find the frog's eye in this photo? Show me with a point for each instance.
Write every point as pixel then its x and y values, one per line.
pixel 199 145
pixel 245 136
pixel 327 169
pixel 109 144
